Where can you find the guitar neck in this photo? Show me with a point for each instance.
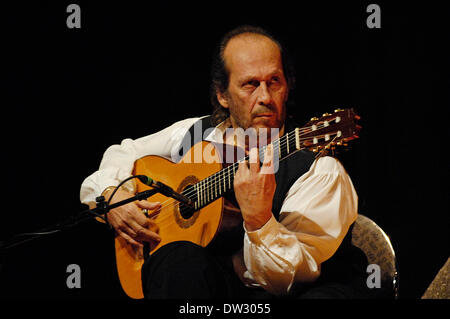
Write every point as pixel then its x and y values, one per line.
pixel 218 184
pixel 319 133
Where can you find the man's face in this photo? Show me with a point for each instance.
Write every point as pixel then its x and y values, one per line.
pixel 257 90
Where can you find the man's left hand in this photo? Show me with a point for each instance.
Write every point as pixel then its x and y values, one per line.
pixel 254 188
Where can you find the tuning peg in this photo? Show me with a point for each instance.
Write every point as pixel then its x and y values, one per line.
pixel 338 110
pixel 326 114
pixel 314 118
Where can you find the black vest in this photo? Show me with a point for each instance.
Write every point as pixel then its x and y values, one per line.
pixel 342 264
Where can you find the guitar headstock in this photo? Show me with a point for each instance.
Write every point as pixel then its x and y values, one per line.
pixel 329 130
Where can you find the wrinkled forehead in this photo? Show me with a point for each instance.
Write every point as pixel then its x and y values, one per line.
pixel 251 51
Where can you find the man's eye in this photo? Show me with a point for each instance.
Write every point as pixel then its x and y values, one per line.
pixel 252 83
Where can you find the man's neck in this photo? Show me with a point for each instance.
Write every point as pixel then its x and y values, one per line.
pixel 230 138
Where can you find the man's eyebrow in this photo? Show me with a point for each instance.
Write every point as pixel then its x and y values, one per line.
pixel 247 78
pixel 254 77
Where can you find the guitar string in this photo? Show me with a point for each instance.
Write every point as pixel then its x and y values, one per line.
pixel 208 191
pixel 166 221
pixel 220 176
pixel 175 203
pixel 216 178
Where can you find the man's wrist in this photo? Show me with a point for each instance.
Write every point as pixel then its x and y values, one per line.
pixel 266 231
pixel 256 225
pixel 108 191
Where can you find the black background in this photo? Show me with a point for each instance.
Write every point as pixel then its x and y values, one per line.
pixel 133 69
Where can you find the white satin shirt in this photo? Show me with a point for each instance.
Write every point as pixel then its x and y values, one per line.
pixel 315 216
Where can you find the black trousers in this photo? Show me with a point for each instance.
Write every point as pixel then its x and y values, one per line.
pixel 183 270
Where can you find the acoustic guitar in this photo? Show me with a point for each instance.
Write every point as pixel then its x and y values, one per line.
pixel 202 176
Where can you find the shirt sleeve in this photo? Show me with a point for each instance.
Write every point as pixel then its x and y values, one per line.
pixel 118 160
pixel 314 219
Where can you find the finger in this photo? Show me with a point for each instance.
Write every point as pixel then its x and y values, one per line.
pixel 242 167
pixel 136 214
pixel 143 234
pixel 268 155
pixel 267 167
pixel 148 205
pixel 153 226
pixel 152 208
pixel 128 223
pixel 254 160
pixel 128 238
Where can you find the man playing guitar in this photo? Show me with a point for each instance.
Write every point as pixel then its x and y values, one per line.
pixel 293 237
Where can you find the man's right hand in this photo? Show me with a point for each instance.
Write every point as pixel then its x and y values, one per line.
pixel 130 222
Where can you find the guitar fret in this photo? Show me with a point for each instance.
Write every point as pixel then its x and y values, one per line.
pixel 287 142
pixel 210 190
pixel 196 202
pixel 279 148
pixel 292 142
pixel 228 172
pixel 203 193
pixel 207 190
pixel 215 187
pixel 212 187
pixel 224 183
pixel 297 138
pixel 218 183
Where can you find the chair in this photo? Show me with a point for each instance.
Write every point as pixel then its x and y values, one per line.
pixel 439 287
pixel 374 242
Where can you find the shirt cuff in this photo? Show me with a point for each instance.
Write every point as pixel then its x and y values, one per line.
pixel 265 233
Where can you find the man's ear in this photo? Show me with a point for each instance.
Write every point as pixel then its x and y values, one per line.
pixel 286 97
pixel 222 99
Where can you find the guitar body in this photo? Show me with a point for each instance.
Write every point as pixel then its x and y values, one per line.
pixel 200 228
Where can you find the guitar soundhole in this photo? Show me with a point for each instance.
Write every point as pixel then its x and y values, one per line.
pixel 186 216
pixel 185 211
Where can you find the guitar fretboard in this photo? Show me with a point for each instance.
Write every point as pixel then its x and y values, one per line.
pixel 218 184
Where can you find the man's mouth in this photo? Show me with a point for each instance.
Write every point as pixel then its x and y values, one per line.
pixel 265 115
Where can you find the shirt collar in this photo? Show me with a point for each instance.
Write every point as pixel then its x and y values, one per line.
pixel 216 135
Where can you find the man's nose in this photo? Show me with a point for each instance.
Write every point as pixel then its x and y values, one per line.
pixel 264 96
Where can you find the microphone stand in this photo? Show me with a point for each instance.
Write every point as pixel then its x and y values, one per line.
pixel 102 208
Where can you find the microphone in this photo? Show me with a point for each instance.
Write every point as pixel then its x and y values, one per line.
pixel 146 180
pixel 165 190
